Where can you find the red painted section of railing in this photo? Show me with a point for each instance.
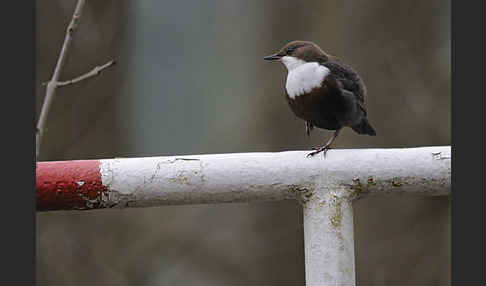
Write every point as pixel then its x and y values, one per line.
pixel 67 185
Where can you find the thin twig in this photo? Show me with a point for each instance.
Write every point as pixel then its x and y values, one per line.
pixel 87 75
pixel 51 86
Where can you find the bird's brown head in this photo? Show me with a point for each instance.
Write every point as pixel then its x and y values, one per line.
pixel 302 50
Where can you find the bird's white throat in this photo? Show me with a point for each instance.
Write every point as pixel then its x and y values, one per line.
pixel 303 76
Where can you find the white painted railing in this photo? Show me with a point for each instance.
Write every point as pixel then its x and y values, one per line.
pixel 325 186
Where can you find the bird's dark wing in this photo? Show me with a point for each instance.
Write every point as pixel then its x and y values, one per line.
pixel 352 89
pixel 348 78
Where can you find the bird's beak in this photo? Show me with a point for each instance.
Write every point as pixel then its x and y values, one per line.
pixel 274 57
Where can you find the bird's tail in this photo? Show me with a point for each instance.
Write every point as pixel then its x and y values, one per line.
pixel 364 127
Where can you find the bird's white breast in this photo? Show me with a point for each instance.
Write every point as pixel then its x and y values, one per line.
pixel 303 76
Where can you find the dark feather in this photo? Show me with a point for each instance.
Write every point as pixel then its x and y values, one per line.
pixel 349 79
pixel 328 106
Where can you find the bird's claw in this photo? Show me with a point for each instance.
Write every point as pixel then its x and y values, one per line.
pixel 318 150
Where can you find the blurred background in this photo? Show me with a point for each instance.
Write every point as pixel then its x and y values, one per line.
pixel 190 79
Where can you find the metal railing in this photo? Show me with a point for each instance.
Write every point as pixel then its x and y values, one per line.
pixel 326 187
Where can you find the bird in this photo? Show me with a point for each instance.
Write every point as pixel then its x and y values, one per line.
pixel 323 91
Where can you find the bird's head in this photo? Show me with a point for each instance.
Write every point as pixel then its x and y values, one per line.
pixel 296 53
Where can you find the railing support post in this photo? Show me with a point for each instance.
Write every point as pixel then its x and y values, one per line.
pixel 329 242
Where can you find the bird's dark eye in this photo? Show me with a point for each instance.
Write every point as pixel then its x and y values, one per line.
pixel 290 50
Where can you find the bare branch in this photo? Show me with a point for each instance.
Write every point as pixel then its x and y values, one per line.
pixel 51 86
pixel 87 75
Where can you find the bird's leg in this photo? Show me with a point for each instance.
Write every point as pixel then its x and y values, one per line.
pixel 325 147
pixel 308 128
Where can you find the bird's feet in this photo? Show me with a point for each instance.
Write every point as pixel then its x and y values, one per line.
pixel 318 150
pixel 308 128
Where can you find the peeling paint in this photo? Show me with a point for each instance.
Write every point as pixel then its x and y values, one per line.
pixel 247 177
pixel 337 217
pixel 328 231
pixel 397 185
pixel 301 193
pixel 177 159
pixel 68 185
pixel 180 178
pixel 438 156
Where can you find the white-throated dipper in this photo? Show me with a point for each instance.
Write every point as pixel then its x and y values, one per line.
pixel 323 91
